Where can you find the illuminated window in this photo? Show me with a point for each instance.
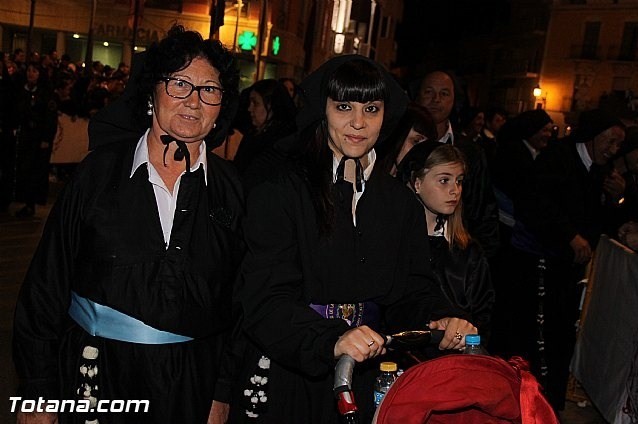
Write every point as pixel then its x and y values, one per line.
pixel 629 44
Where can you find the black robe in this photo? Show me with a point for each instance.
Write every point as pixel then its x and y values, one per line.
pixel 480 211
pixel 464 276
pixel 563 199
pixel 288 266
pixel 36 116
pixel 568 200
pixel 104 241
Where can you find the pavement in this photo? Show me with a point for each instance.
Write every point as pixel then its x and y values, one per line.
pixel 18 240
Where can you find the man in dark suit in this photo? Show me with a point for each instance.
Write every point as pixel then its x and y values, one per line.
pixel 438 93
pixel 575 195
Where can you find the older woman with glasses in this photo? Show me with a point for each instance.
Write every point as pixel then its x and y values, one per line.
pixel 128 296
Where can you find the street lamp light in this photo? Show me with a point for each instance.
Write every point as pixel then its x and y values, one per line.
pixel 540 99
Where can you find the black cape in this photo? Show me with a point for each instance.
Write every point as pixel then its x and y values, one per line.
pixel 103 240
pixel 289 265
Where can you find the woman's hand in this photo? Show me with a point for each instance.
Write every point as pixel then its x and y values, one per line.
pixel 37 418
pixel 614 185
pixel 360 343
pixel 455 331
pixel 218 413
pixel 581 248
pixel 628 234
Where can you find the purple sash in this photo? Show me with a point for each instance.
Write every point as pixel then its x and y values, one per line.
pixel 355 314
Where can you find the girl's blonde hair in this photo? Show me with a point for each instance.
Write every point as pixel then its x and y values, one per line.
pixel 444 155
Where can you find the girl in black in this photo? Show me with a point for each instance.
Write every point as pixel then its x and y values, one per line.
pixel 458 262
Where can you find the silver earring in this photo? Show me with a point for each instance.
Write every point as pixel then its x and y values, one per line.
pixel 214 124
pixel 149 111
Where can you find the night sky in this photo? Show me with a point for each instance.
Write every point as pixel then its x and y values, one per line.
pixel 445 21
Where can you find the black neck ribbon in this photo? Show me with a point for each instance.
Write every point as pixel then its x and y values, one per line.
pixel 181 152
pixel 440 222
pixel 359 172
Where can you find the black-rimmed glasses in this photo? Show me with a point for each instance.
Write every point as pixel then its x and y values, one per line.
pixel 180 89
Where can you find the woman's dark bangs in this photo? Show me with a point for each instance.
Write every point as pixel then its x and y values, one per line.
pixel 356 84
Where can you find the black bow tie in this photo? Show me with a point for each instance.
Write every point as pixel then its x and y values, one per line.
pixel 358 173
pixel 181 152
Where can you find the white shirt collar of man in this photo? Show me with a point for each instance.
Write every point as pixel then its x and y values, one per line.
pixel 584 155
pixel 531 149
pixel 448 137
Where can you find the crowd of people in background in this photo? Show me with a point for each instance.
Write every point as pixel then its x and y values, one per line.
pixel 80 89
pixel 34 88
pixel 513 212
pixel 534 205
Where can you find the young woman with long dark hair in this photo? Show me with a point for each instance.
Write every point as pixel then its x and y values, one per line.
pixel 335 253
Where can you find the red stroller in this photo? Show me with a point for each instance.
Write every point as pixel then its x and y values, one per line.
pixel 467 389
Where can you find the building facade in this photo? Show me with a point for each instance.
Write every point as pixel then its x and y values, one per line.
pixel 516 56
pixel 289 37
pixel 591 58
pixel 564 56
pixel 494 48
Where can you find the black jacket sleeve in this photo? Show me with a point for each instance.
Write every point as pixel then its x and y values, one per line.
pixel 41 311
pixel 276 313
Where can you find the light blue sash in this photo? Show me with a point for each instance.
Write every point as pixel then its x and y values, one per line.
pixel 100 320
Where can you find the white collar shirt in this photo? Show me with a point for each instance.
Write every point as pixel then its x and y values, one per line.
pixel 372 157
pixel 448 137
pixel 531 149
pixel 584 155
pixel 165 200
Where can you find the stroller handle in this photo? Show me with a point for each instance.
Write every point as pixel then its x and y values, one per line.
pixel 345 367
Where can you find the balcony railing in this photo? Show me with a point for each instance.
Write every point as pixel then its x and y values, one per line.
pixel 622 54
pixel 515 68
pixel 585 52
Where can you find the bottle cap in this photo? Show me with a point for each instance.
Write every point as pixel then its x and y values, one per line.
pixel 388 366
pixel 472 339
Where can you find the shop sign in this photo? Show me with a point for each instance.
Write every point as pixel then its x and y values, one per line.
pixel 123 32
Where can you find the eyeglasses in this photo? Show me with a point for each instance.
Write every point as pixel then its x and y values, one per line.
pixel 180 89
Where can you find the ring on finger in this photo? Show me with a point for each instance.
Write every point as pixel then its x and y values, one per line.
pixel 458 336
pixel 370 343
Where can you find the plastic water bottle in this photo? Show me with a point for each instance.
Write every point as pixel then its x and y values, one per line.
pixel 473 345
pixel 384 381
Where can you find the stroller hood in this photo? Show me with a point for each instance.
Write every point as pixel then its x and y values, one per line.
pixel 466 389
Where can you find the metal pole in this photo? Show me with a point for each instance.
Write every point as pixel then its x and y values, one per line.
pixel 212 12
pixel 30 33
pixel 239 6
pixel 373 6
pixel 88 58
pixel 136 23
pixel 261 40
